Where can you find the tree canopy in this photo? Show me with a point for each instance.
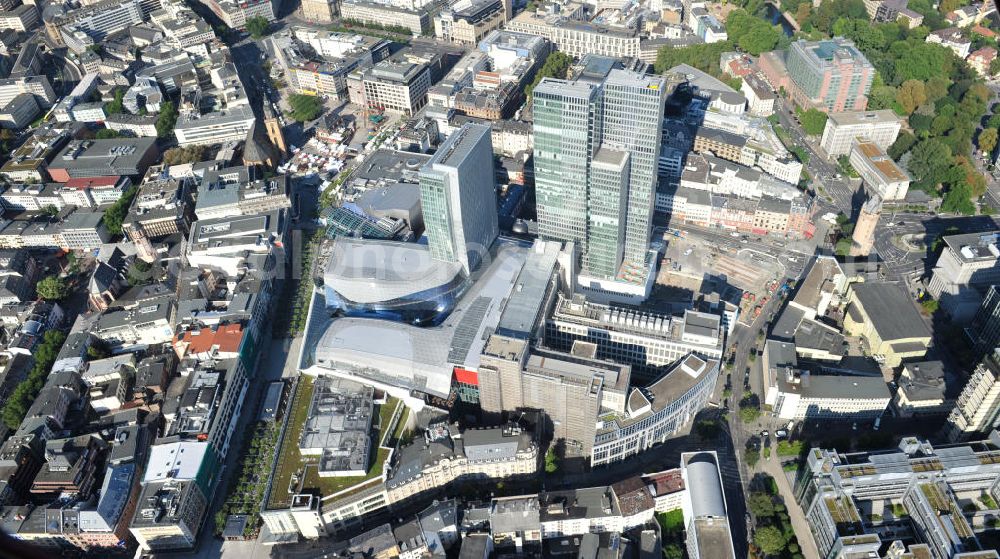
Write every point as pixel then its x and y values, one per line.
pixel 556 66
pixel 305 107
pixel 166 120
pixel 813 121
pixel 52 288
pixel 257 27
pixel 751 34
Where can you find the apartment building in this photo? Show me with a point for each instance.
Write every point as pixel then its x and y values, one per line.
pixel 842 129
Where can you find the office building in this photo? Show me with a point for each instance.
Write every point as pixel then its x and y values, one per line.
pixel 843 129
pixel 649 342
pixel 977 409
pixel 94 21
pixel 468 21
pixel 863 238
pixel 572 389
pixel 596 153
pixel 102 158
pixel 320 11
pixel 416 19
pixel 38 86
pixel 706 515
pixel 797 393
pixel 832 75
pixel 925 389
pixel 236 191
pixel 915 480
pixel 656 412
pixel 879 171
pixel 22 18
pixel 569 33
pixel 968 265
pixel 399 87
pixel 236 13
pixel 458 198
pixel 218 127
pixel 984 329
pixel 885 317
pixel 337 427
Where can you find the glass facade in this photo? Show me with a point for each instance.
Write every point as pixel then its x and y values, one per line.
pixel 596 153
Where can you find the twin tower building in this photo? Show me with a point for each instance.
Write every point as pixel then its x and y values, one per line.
pixel 596 146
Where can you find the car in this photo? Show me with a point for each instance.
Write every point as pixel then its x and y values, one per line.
pixel 765 433
pixel 688 251
pixel 878 423
pixel 901 223
pixel 734 234
pixel 744 241
pixel 854 426
pixel 781 434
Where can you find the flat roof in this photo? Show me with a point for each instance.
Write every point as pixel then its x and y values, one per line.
pixel 890 310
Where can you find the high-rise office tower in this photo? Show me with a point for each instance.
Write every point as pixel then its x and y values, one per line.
pixel 977 409
pixel 864 228
pixel 458 197
pixel 985 326
pixel 832 75
pixel 597 139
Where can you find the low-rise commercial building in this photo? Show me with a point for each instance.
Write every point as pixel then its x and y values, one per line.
pixel 394 86
pixel 468 21
pixel 417 20
pixel 887 321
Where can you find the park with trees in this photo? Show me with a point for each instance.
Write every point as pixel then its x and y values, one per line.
pixel 943 101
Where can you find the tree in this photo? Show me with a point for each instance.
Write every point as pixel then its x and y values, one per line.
pixel 551 462
pixel 52 288
pixel 179 156
pixel 930 160
pixel 761 504
pixel 115 106
pixel 770 540
pixel 167 119
pixel 903 143
pixel 305 107
pixel 115 215
pixel 556 66
pixel 752 34
pixel 106 134
pixel 881 97
pixel 813 121
pixel 958 200
pixel 802 13
pixel 257 26
pixel 50 210
pixel 673 551
pixel 752 456
pixel 988 140
pixel 911 94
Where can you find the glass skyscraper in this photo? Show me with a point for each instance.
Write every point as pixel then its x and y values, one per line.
pixel 458 198
pixel 597 140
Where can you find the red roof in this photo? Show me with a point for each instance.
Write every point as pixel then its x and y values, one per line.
pixel 92 182
pixel 983 31
pixel 465 376
pixel 224 339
